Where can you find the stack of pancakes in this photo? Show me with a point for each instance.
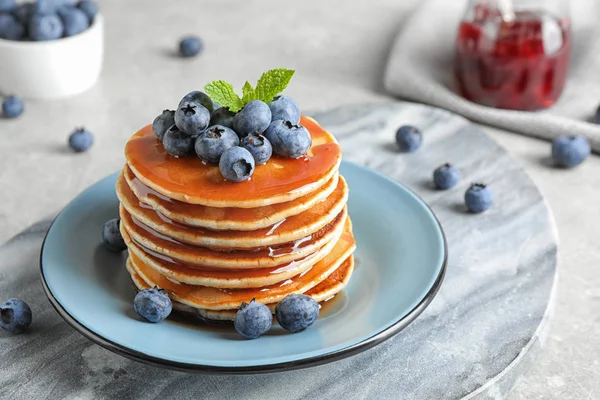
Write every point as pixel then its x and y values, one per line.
pixel 213 244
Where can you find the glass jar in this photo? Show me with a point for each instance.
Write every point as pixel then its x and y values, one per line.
pixel 513 54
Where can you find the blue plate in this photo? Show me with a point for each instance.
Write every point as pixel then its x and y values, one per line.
pixel 401 259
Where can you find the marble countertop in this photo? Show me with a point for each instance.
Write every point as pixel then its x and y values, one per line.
pixel 340 55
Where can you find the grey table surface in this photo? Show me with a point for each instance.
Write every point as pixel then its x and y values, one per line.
pixel 339 52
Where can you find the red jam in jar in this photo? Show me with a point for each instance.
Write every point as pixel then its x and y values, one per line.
pixel 519 64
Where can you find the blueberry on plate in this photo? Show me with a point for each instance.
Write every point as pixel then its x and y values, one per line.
pixel 211 144
pixel 162 123
pixel 222 116
pixel 10 27
pixel 296 312
pixel 253 320
pixel 45 27
pixel 74 20
pixel 153 304
pixel 259 146
pixel 80 140
pixel 478 197
pixel 198 97
pixel 446 176
pixel 283 107
pixel 288 140
pixel 12 107
pixel 111 236
pixel 15 316
pixel 236 164
pixel 408 138
pixel 90 8
pixel 190 46
pixel 177 143
pixel 569 151
pixel 254 117
pixel 7 5
pixel 192 118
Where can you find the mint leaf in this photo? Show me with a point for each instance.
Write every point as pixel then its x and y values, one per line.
pixel 223 93
pixel 273 82
pixel 248 93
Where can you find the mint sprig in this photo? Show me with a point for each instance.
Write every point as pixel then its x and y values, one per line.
pixel 270 84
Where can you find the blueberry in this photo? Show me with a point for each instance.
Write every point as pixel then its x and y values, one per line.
pixel 23 12
pixel 177 143
pixel 254 117
pixel 214 141
pixel 45 27
pixel 111 236
pixel 190 46
pixel 90 8
pixel 259 146
pixel 197 97
pixel 15 316
pixel 408 138
pixel 478 198
pixel 288 140
pixel 80 140
pixel 296 312
pixel 51 6
pixel 153 304
pixel 163 122
pixel 569 151
pixel 192 118
pixel 236 164
pixel 446 176
pixel 222 116
pixel 10 27
pixel 12 107
pixel 74 20
pixel 7 5
pixel 253 320
pixel 283 107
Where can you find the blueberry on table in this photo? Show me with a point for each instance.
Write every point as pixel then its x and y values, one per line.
pixel 569 151
pixel 190 46
pixel 12 107
pixel 10 27
pixel 283 107
pixel 222 116
pixel 81 140
pixel 90 8
pixel 253 320
pixel 162 123
pixel 254 117
pixel 288 140
pixel 211 144
pixel 236 164
pixel 296 312
pixel 177 143
pixel 111 236
pixel 198 97
pixel 74 20
pixel 408 138
pixel 478 198
pixel 7 5
pixel 15 316
pixel 259 146
pixel 153 304
pixel 192 118
pixel 45 27
pixel 446 176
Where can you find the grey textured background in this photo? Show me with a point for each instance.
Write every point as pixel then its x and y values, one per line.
pixel 339 49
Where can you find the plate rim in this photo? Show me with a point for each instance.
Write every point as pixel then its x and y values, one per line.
pixel 312 361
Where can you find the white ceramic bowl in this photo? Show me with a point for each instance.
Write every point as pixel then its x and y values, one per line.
pixel 52 69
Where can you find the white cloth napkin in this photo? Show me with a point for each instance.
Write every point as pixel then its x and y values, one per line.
pixel 420 68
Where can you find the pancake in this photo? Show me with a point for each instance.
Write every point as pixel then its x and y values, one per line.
pixel 324 291
pixel 220 299
pixel 289 230
pixel 270 257
pixel 226 218
pixel 192 181
pixel 227 278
